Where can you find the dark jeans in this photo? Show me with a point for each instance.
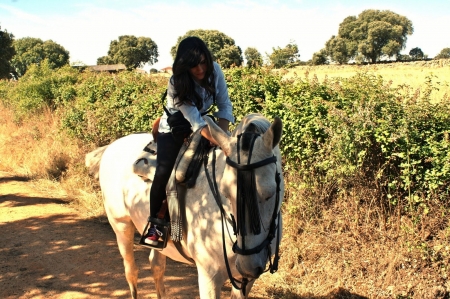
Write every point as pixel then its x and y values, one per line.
pixel 167 152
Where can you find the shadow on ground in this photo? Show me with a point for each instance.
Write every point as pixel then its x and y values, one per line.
pixel 10 178
pixel 43 256
pixel 54 254
pixel 16 200
pixel 339 293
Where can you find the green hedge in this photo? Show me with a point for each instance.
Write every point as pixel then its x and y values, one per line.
pixel 340 135
pixel 355 134
pixel 108 107
pixel 40 88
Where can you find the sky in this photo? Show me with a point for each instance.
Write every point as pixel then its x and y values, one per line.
pixel 85 28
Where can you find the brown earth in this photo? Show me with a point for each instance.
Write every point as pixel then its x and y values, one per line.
pixel 48 250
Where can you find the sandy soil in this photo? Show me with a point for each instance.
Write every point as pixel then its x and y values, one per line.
pixel 47 250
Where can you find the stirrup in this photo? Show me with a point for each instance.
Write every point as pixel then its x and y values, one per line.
pixel 163 226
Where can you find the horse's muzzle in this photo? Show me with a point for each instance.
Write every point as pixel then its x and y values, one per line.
pixel 249 269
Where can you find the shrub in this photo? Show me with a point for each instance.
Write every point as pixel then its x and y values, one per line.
pixel 249 88
pixel 41 88
pixel 341 136
pixel 108 107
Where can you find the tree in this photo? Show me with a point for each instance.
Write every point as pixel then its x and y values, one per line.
pixel 131 51
pixel 444 54
pixel 281 57
pixel 372 35
pixel 320 58
pixel 31 50
pixel 222 47
pixel 253 57
pixel 6 53
pixel 403 57
pixel 339 49
pixel 416 53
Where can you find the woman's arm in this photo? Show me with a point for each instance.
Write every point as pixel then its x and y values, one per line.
pixel 223 124
pixel 223 101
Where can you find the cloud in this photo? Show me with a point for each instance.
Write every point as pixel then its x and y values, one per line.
pixel 21 15
pixel 86 29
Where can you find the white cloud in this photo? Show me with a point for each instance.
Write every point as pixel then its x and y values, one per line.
pixel 87 30
pixel 22 15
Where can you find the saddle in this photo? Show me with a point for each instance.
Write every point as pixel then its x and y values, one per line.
pixel 184 176
pixel 187 165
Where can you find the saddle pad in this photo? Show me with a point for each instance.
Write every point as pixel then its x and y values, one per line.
pixel 145 164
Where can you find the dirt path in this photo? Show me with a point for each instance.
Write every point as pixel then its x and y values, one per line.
pixel 47 250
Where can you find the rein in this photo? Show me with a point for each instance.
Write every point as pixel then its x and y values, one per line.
pixel 247 199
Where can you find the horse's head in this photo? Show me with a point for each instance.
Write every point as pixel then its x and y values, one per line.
pixel 253 183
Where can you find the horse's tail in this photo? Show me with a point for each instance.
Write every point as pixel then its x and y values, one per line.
pixel 93 159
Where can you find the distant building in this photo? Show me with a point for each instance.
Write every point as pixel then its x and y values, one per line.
pixel 110 68
pixel 167 70
pixel 140 71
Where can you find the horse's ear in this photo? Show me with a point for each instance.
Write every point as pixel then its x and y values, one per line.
pixel 219 135
pixel 273 136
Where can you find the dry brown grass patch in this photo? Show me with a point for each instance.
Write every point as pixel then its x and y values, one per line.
pixel 355 248
pixel 38 149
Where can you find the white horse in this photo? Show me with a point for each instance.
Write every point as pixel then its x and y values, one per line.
pixel 207 239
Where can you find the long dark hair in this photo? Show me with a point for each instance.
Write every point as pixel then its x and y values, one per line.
pixel 189 54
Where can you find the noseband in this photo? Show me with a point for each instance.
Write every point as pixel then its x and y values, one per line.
pixel 247 201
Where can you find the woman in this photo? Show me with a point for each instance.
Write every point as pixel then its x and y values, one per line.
pixel 197 82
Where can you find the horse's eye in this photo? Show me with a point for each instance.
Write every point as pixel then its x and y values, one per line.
pixel 270 197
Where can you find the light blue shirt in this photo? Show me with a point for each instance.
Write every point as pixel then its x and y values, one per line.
pixel 190 112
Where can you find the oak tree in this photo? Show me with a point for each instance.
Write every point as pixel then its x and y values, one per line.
pixel 282 57
pixel 6 53
pixel 31 50
pixel 131 51
pixel 320 58
pixel 253 57
pixel 372 35
pixel 222 47
pixel 444 54
pixel 416 53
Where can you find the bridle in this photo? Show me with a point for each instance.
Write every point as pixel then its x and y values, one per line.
pixel 244 201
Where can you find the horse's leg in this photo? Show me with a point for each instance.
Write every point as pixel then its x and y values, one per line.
pixel 209 284
pixel 237 294
pixel 125 238
pixel 158 263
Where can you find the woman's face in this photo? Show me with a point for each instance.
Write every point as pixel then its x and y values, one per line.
pixel 198 72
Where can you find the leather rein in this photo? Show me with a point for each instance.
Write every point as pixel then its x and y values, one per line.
pixel 275 227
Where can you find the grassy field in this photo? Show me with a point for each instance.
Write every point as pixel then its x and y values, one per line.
pixel 413 76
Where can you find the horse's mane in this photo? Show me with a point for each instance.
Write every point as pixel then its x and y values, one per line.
pixel 252 123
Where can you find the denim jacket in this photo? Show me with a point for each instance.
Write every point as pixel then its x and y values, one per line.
pixel 191 113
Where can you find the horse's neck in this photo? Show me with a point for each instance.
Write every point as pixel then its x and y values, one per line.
pixel 220 163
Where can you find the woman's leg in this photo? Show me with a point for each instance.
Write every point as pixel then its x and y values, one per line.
pixel 167 152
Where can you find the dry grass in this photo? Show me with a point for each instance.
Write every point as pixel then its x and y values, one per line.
pixel 37 149
pixel 411 75
pixel 354 248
